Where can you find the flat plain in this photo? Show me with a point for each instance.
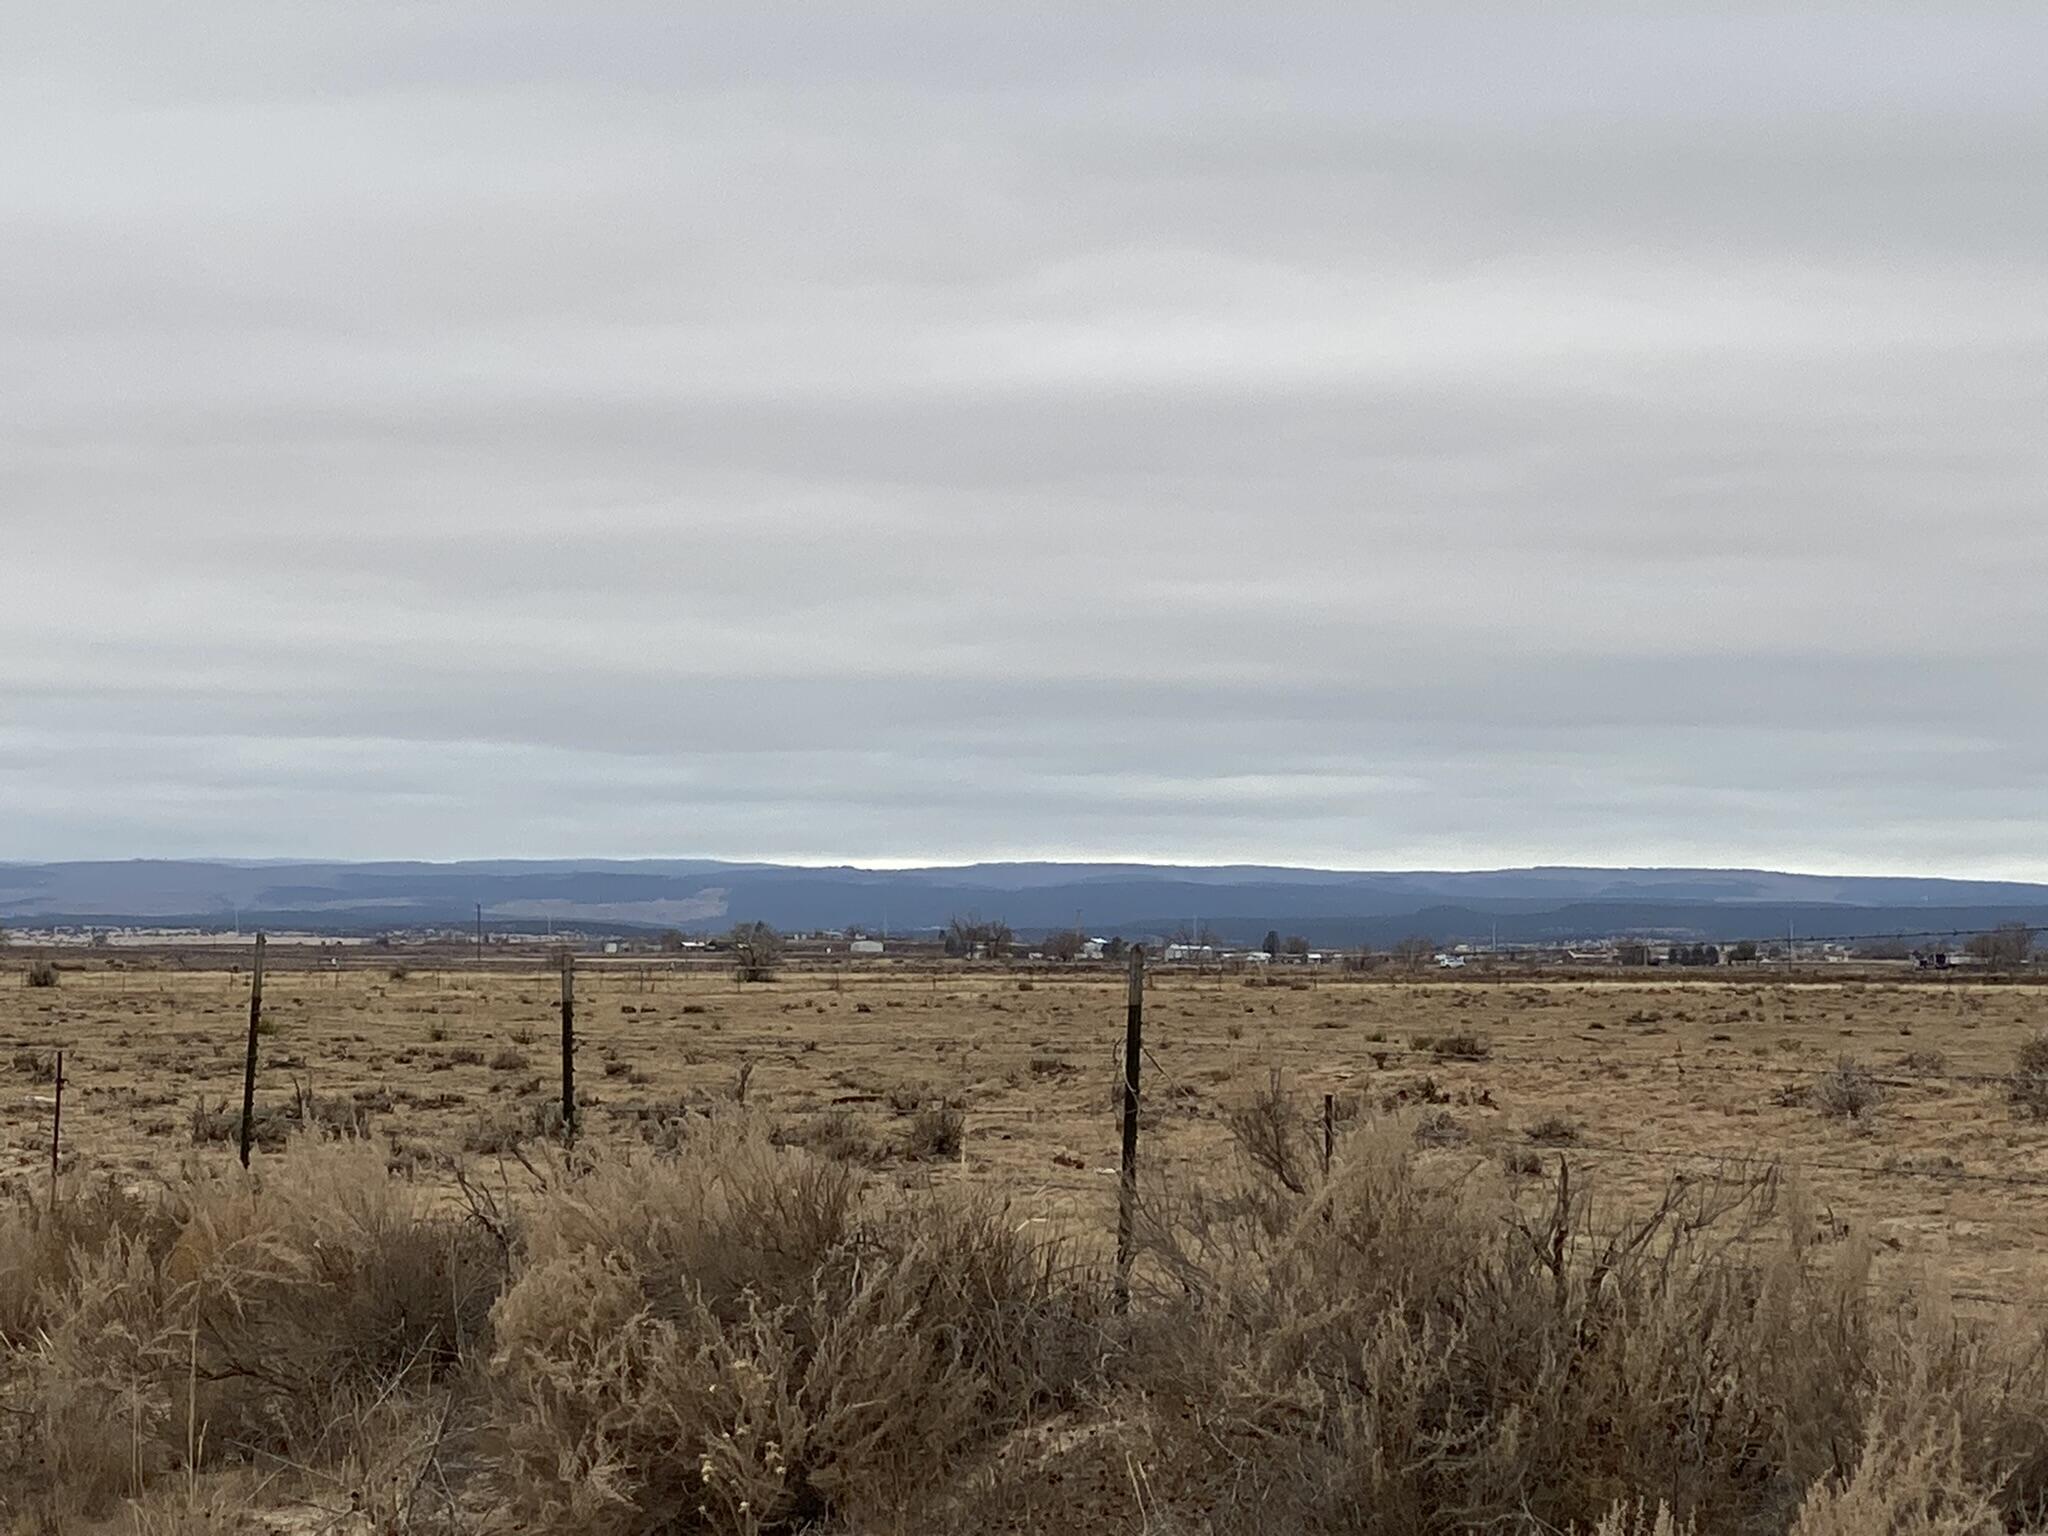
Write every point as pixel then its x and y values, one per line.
pixel 1634 1079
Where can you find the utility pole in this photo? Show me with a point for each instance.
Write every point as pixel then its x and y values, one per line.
pixel 479 933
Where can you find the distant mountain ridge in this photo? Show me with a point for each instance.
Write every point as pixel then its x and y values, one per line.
pixel 1239 902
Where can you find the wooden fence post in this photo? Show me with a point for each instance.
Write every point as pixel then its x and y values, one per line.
pixel 568 1046
pixel 1127 1184
pixel 1329 1146
pixel 249 1058
pixel 56 1129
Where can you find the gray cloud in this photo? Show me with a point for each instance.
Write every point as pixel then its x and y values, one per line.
pixel 1346 436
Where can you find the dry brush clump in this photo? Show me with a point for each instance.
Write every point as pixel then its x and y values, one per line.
pixel 234 1317
pixel 1847 1091
pixel 738 1336
pixel 1411 1348
pixel 2027 1088
pixel 1271 1132
pixel 737 1341
pixel 937 1130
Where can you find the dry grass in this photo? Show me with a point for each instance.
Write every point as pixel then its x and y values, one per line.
pixel 231 1319
pixel 738 1336
pixel 908 1328
pixel 1037 1080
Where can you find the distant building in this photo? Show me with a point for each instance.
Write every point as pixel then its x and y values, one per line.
pixel 866 946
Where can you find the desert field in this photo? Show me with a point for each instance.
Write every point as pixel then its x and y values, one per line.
pixel 1626 1256
pixel 1008 1079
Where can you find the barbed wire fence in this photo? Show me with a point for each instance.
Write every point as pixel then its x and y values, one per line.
pixel 1325 1127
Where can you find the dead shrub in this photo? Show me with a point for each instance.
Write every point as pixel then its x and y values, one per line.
pixel 261 1302
pixel 2027 1087
pixel 1553 1131
pixel 1460 1045
pixel 1847 1091
pixel 937 1130
pixel 272 1125
pixel 721 1344
pixel 507 1131
pixel 1440 1128
pixel 40 973
pixel 1271 1133
pixel 837 1134
pixel 908 1098
pixel 1418 1348
pixel 744 1338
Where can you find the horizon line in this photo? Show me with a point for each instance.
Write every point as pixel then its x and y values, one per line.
pixel 909 866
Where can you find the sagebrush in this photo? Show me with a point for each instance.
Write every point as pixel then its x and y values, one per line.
pixel 719 1333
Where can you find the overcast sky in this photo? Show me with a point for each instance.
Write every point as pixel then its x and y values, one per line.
pixel 1367 436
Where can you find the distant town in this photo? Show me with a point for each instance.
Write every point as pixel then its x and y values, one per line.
pixel 975 939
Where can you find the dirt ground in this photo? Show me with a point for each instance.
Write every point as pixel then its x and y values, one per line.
pixel 1636 1078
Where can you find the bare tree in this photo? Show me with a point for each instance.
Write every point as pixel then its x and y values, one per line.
pixel 756 951
pixel 971 934
pixel 2005 947
pixel 1066 944
pixel 1413 952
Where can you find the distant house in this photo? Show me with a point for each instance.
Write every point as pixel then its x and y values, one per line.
pixel 1094 949
pixel 865 947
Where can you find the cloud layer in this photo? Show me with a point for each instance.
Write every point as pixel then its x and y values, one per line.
pixel 1357 436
